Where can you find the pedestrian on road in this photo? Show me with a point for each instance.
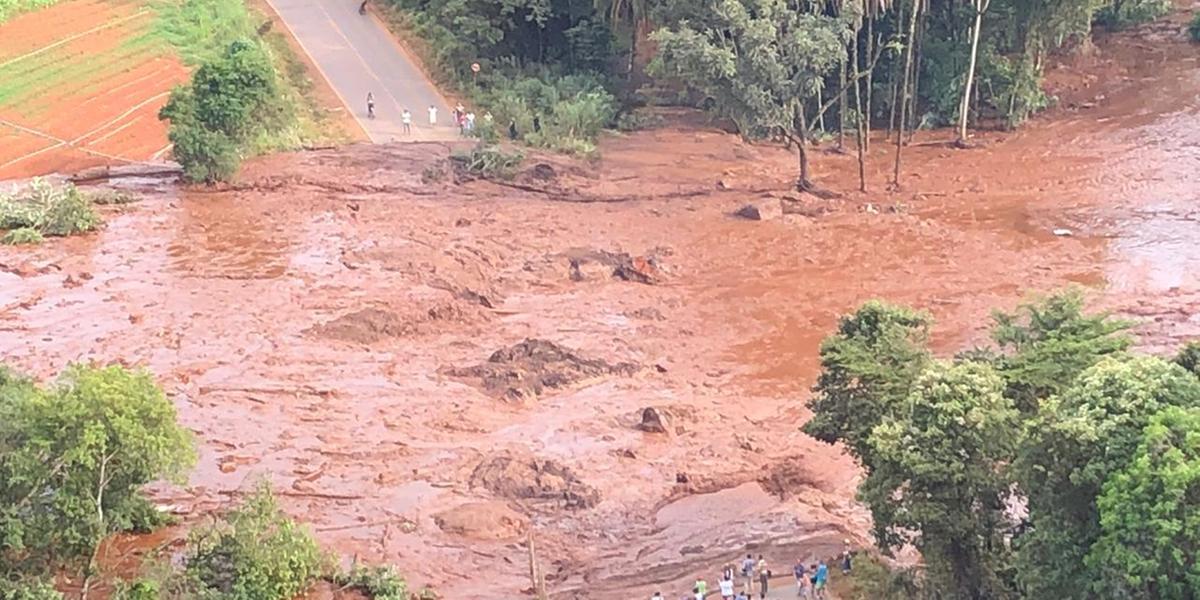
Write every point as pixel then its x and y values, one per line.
pixel 726 586
pixel 763 578
pixel 820 580
pixel 801 579
pixel 847 553
pixel 748 566
pixel 370 105
pixel 432 115
pixel 406 118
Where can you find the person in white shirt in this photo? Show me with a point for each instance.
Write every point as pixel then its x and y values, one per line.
pixel 406 118
pixel 726 586
pixel 432 115
pixel 657 596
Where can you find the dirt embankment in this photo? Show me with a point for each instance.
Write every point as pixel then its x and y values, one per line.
pixel 356 335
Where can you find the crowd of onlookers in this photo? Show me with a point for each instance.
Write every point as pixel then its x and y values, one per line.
pixel 752 578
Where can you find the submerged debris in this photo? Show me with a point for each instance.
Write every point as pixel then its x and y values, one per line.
pixel 523 477
pixel 524 370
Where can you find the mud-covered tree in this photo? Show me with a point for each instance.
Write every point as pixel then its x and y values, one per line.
pixel 1149 545
pixel 760 62
pixel 939 482
pixel 1071 447
pixel 867 371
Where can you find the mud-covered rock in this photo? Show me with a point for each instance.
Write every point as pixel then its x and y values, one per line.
pixel 373 324
pixel 525 370
pixel 655 420
pixel 493 520
pixel 587 264
pixel 765 210
pixel 523 477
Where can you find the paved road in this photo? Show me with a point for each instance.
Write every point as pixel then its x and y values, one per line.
pixel 357 55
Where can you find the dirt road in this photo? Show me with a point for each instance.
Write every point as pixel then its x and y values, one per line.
pixel 357 55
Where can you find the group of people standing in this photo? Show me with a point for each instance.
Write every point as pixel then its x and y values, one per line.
pixel 405 115
pixel 754 577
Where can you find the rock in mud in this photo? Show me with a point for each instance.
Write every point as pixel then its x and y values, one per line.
pixel 525 370
pixel 373 324
pixel 655 420
pixel 366 326
pixel 761 211
pixel 789 477
pixel 493 520
pixel 585 264
pixel 523 477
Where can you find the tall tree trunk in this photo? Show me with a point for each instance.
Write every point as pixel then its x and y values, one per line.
pixel 841 140
pixel 914 94
pixel 633 36
pixel 804 183
pixel 964 109
pixel 896 76
pixel 908 56
pixel 866 116
pixel 821 102
pixel 858 115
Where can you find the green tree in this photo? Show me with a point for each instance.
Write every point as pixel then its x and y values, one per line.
pixel 230 100
pixel 762 62
pixel 74 457
pixel 1048 342
pixel 867 370
pixel 1149 545
pixel 940 482
pixel 1073 444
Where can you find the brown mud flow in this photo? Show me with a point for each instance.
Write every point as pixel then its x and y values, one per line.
pixel 354 335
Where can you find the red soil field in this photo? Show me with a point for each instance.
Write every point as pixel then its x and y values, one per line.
pixel 92 96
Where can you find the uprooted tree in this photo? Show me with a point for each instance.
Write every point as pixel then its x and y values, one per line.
pixel 762 63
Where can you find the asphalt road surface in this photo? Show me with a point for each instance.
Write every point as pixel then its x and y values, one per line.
pixel 357 55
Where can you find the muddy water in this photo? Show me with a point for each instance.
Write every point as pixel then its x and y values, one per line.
pixel 249 305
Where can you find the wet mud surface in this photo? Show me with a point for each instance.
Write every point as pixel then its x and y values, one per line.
pixel 335 325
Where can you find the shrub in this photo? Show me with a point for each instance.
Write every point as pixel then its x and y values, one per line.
pixel 257 553
pixel 379 583
pixel 1119 14
pixel 21 236
pixel 108 197
pixel 487 161
pixel 28 591
pixel 232 99
pixel 564 114
pixel 97 428
pixel 50 210
pixel 1194 27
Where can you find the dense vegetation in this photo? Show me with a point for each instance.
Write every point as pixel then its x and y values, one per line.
pixel 1055 463
pixel 792 70
pixel 10 8
pixel 248 95
pixel 74 457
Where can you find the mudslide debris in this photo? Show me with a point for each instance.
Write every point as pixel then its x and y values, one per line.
pixel 525 370
pixel 524 477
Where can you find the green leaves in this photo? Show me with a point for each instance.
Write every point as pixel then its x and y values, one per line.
pixel 1149 546
pixel 230 100
pixel 74 456
pixel 867 371
pixel 1057 460
pixel 258 553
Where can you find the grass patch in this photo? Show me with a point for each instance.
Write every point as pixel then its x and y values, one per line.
pixel 12 8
